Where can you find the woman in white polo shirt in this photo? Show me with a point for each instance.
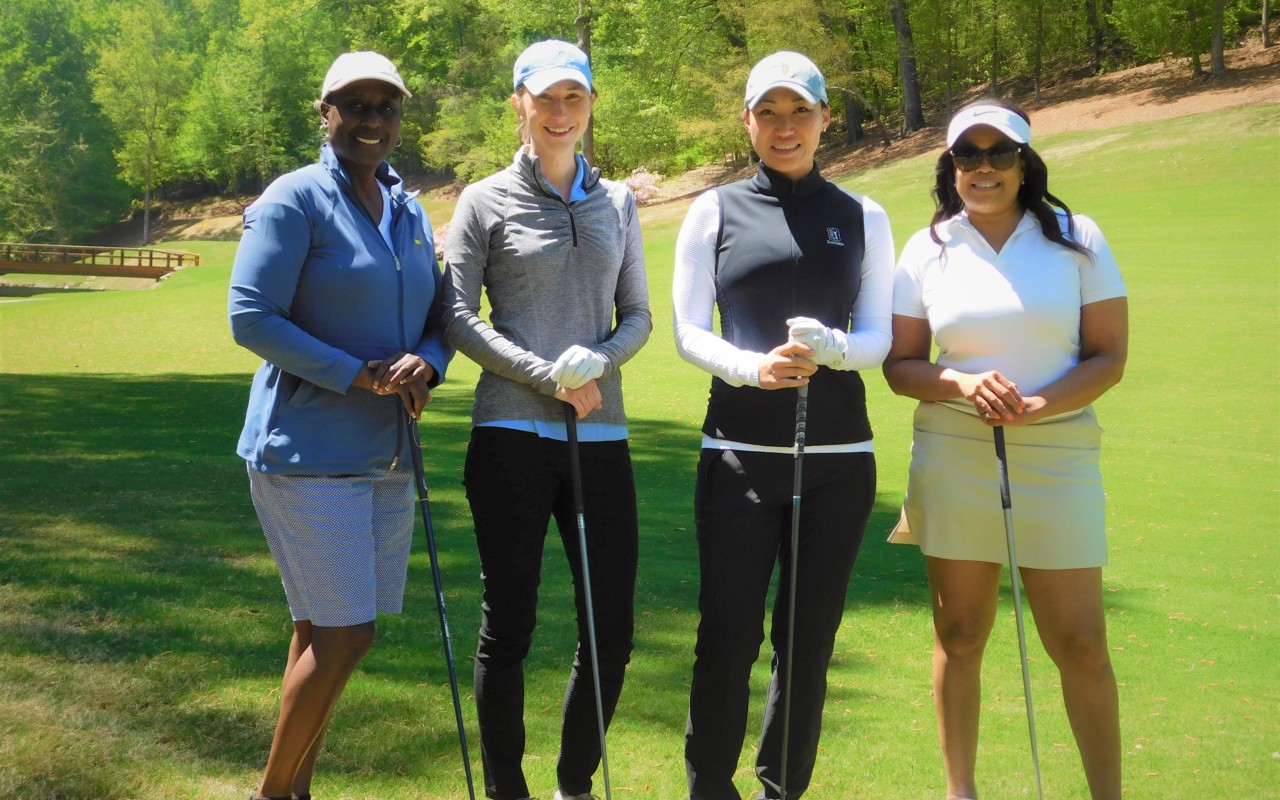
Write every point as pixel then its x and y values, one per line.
pixel 1027 307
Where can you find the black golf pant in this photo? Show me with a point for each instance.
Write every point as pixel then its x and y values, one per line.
pixel 743 508
pixel 516 483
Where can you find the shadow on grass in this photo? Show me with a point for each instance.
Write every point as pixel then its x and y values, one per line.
pixel 33 291
pixel 129 552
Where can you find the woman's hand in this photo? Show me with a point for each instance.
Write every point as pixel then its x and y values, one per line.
pixel 392 373
pixel 994 396
pixel 1034 409
pixel 414 393
pixel 414 396
pixel 787 366
pixel 584 399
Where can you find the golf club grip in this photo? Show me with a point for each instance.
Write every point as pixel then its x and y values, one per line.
pixel 802 415
pixel 571 424
pixel 575 463
pixel 1002 464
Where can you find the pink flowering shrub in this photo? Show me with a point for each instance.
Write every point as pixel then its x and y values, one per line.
pixel 441 234
pixel 644 185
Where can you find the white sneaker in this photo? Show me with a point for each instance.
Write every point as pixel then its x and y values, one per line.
pixel 584 796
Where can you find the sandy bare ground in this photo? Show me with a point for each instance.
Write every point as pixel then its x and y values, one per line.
pixel 1142 94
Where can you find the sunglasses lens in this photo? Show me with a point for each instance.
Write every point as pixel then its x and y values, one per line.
pixel 1002 156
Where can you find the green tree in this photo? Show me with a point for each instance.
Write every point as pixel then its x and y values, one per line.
pixel 1163 28
pixel 140 80
pixel 57 179
pixel 249 118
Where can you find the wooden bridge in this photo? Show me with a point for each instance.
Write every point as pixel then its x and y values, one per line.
pixel 114 262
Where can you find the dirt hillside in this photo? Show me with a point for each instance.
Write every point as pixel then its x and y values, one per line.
pixel 1142 94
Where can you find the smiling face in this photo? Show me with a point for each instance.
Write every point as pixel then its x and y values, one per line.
pixel 785 130
pixel 556 119
pixel 363 121
pixel 988 193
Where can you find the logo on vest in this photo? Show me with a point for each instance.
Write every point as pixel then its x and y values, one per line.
pixel 833 237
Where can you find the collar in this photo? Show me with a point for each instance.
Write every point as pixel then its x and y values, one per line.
pixel 385 175
pixel 771 182
pixel 530 167
pixel 960 223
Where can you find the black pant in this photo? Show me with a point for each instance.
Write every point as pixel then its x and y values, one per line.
pixel 743 508
pixel 516 482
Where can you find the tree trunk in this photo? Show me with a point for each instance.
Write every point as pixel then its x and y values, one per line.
pixel 875 115
pixel 148 179
pixel 913 113
pixel 1266 23
pixel 852 118
pixel 951 51
pixel 1095 34
pixel 995 48
pixel 1039 47
pixel 1197 69
pixel 583 24
pixel 1217 60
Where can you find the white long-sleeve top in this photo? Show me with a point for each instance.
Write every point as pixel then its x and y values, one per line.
pixel 694 300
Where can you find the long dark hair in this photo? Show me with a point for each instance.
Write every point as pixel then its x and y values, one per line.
pixel 1033 194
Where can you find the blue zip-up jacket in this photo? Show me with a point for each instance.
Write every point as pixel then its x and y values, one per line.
pixel 316 292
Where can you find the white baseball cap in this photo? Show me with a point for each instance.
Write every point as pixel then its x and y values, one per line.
pixel 363 65
pixel 1002 119
pixel 785 68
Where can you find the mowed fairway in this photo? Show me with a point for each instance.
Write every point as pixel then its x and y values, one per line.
pixel 142 625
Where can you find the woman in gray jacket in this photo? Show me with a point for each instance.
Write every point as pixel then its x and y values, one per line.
pixel 558 250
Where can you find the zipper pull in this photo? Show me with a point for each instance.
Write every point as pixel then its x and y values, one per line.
pixel 395 460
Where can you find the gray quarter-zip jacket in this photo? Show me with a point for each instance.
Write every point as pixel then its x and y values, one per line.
pixel 556 274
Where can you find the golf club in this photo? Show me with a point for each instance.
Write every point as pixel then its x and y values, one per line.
pixel 419 472
pixel 802 415
pixel 1003 465
pixel 575 472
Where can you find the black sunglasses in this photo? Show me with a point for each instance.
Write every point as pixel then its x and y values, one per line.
pixel 357 107
pixel 1000 156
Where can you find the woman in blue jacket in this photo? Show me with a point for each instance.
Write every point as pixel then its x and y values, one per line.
pixel 336 286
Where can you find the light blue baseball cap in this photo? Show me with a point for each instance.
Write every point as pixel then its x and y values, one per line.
pixel 789 69
pixel 543 64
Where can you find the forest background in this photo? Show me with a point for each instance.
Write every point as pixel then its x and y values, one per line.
pixel 112 104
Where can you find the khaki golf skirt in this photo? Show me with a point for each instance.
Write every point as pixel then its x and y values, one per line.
pixel 952 508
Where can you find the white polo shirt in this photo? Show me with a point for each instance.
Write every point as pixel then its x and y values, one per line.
pixel 1016 311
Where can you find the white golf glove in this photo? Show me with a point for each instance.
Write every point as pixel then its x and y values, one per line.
pixel 828 345
pixel 578 365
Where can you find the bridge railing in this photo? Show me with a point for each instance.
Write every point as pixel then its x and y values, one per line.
pixel 66 259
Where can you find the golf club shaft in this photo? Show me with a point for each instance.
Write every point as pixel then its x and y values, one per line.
pixel 419 472
pixel 802 417
pixel 575 474
pixel 1002 460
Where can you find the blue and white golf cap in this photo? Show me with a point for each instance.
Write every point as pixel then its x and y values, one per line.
pixel 1002 119
pixel 546 63
pixel 788 69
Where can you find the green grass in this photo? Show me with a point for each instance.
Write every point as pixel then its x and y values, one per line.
pixel 142 626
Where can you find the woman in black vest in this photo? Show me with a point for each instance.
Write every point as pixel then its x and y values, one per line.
pixel 802 273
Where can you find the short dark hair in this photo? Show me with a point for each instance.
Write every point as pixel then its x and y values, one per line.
pixel 1033 194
